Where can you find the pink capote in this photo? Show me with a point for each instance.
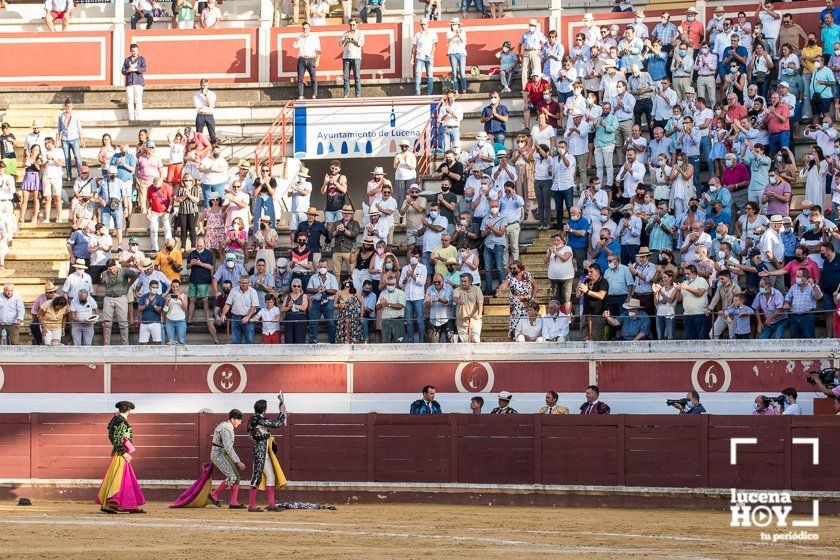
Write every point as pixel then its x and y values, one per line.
pixel 196 496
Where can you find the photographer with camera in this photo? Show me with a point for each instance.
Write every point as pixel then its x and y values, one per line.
pixel 823 379
pixel 787 402
pixel 761 406
pixel 688 405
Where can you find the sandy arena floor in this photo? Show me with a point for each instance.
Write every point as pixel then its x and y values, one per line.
pixel 75 530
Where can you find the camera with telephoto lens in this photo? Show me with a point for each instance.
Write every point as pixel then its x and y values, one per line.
pixel 672 402
pixel 828 376
pixel 780 400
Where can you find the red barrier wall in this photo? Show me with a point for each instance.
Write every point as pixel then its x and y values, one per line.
pixel 74 58
pixel 628 375
pixel 183 56
pixel 381 54
pixel 655 450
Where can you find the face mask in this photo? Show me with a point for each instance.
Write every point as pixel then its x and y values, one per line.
pixel 714 188
pixel 800 281
pixel 468 199
pixel 632 314
pixel 682 52
pixel 366 293
pixel 574 216
pixel 704 50
pixel 604 218
pixel 620 91
pixel 414 260
pixel 322 271
pixel 216 154
pixel 788 71
pixel 506 49
pixel 779 159
pixel 817 66
pixel 230 264
pixel 728 163
pixel 494 101
pixel 806 212
pixel 480 142
pixel 773 180
pixel 721 255
pixel 155 291
pixel 755 406
pixel 690 17
pixel 494 210
pixel 680 162
pixel 613 265
pixel 391 288
pixel 733 70
pixel 692 207
pixel 547 97
pixel 433 215
pixel 763 291
pixel 826 126
pixel 389 266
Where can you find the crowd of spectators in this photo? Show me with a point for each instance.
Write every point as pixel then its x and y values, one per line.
pixel 669 155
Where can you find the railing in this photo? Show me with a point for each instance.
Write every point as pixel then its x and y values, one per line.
pixel 428 141
pixel 273 144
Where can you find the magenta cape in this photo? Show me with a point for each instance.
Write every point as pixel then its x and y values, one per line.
pixel 196 496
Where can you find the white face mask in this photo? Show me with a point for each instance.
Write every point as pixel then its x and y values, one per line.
pixel 322 270
pixel 494 210
pixel 230 264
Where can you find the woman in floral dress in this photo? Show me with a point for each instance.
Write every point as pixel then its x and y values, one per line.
pixel 214 229
pixel 522 289
pixel 349 315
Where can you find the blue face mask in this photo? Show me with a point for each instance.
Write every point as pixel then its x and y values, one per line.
pixel 806 212
pixel 809 227
pixel 682 53
pixel 433 215
pixel 689 405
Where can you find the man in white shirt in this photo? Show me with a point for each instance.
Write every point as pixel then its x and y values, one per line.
pixel 241 303
pixel 592 200
pixel 771 22
pixel 431 230
pixel 555 324
pixel 482 153
pixel 773 250
pixel 70 134
pixel 351 59
pixel 451 114
pixel 143 9
pixel 205 104
pixel 321 289
pixel 309 57
pixel 82 308
pixel 664 99
pixel 214 177
pixel 52 180
pixel 563 181
pixel 697 238
pixel 577 139
pixel 503 172
pixel 300 192
pixel 36 137
pixel 60 10
pixel 510 206
pixel 630 175
pixel 423 55
pixel 413 283
pixel 78 280
pixel 12 312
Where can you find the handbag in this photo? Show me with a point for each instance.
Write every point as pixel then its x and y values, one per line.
pixel 114 204
pixel 129 447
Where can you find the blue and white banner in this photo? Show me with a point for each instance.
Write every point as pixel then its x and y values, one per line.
pixel 331 131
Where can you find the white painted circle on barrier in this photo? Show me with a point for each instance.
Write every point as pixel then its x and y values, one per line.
pixel 470 375
pixel 226 378
pixel 717 376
